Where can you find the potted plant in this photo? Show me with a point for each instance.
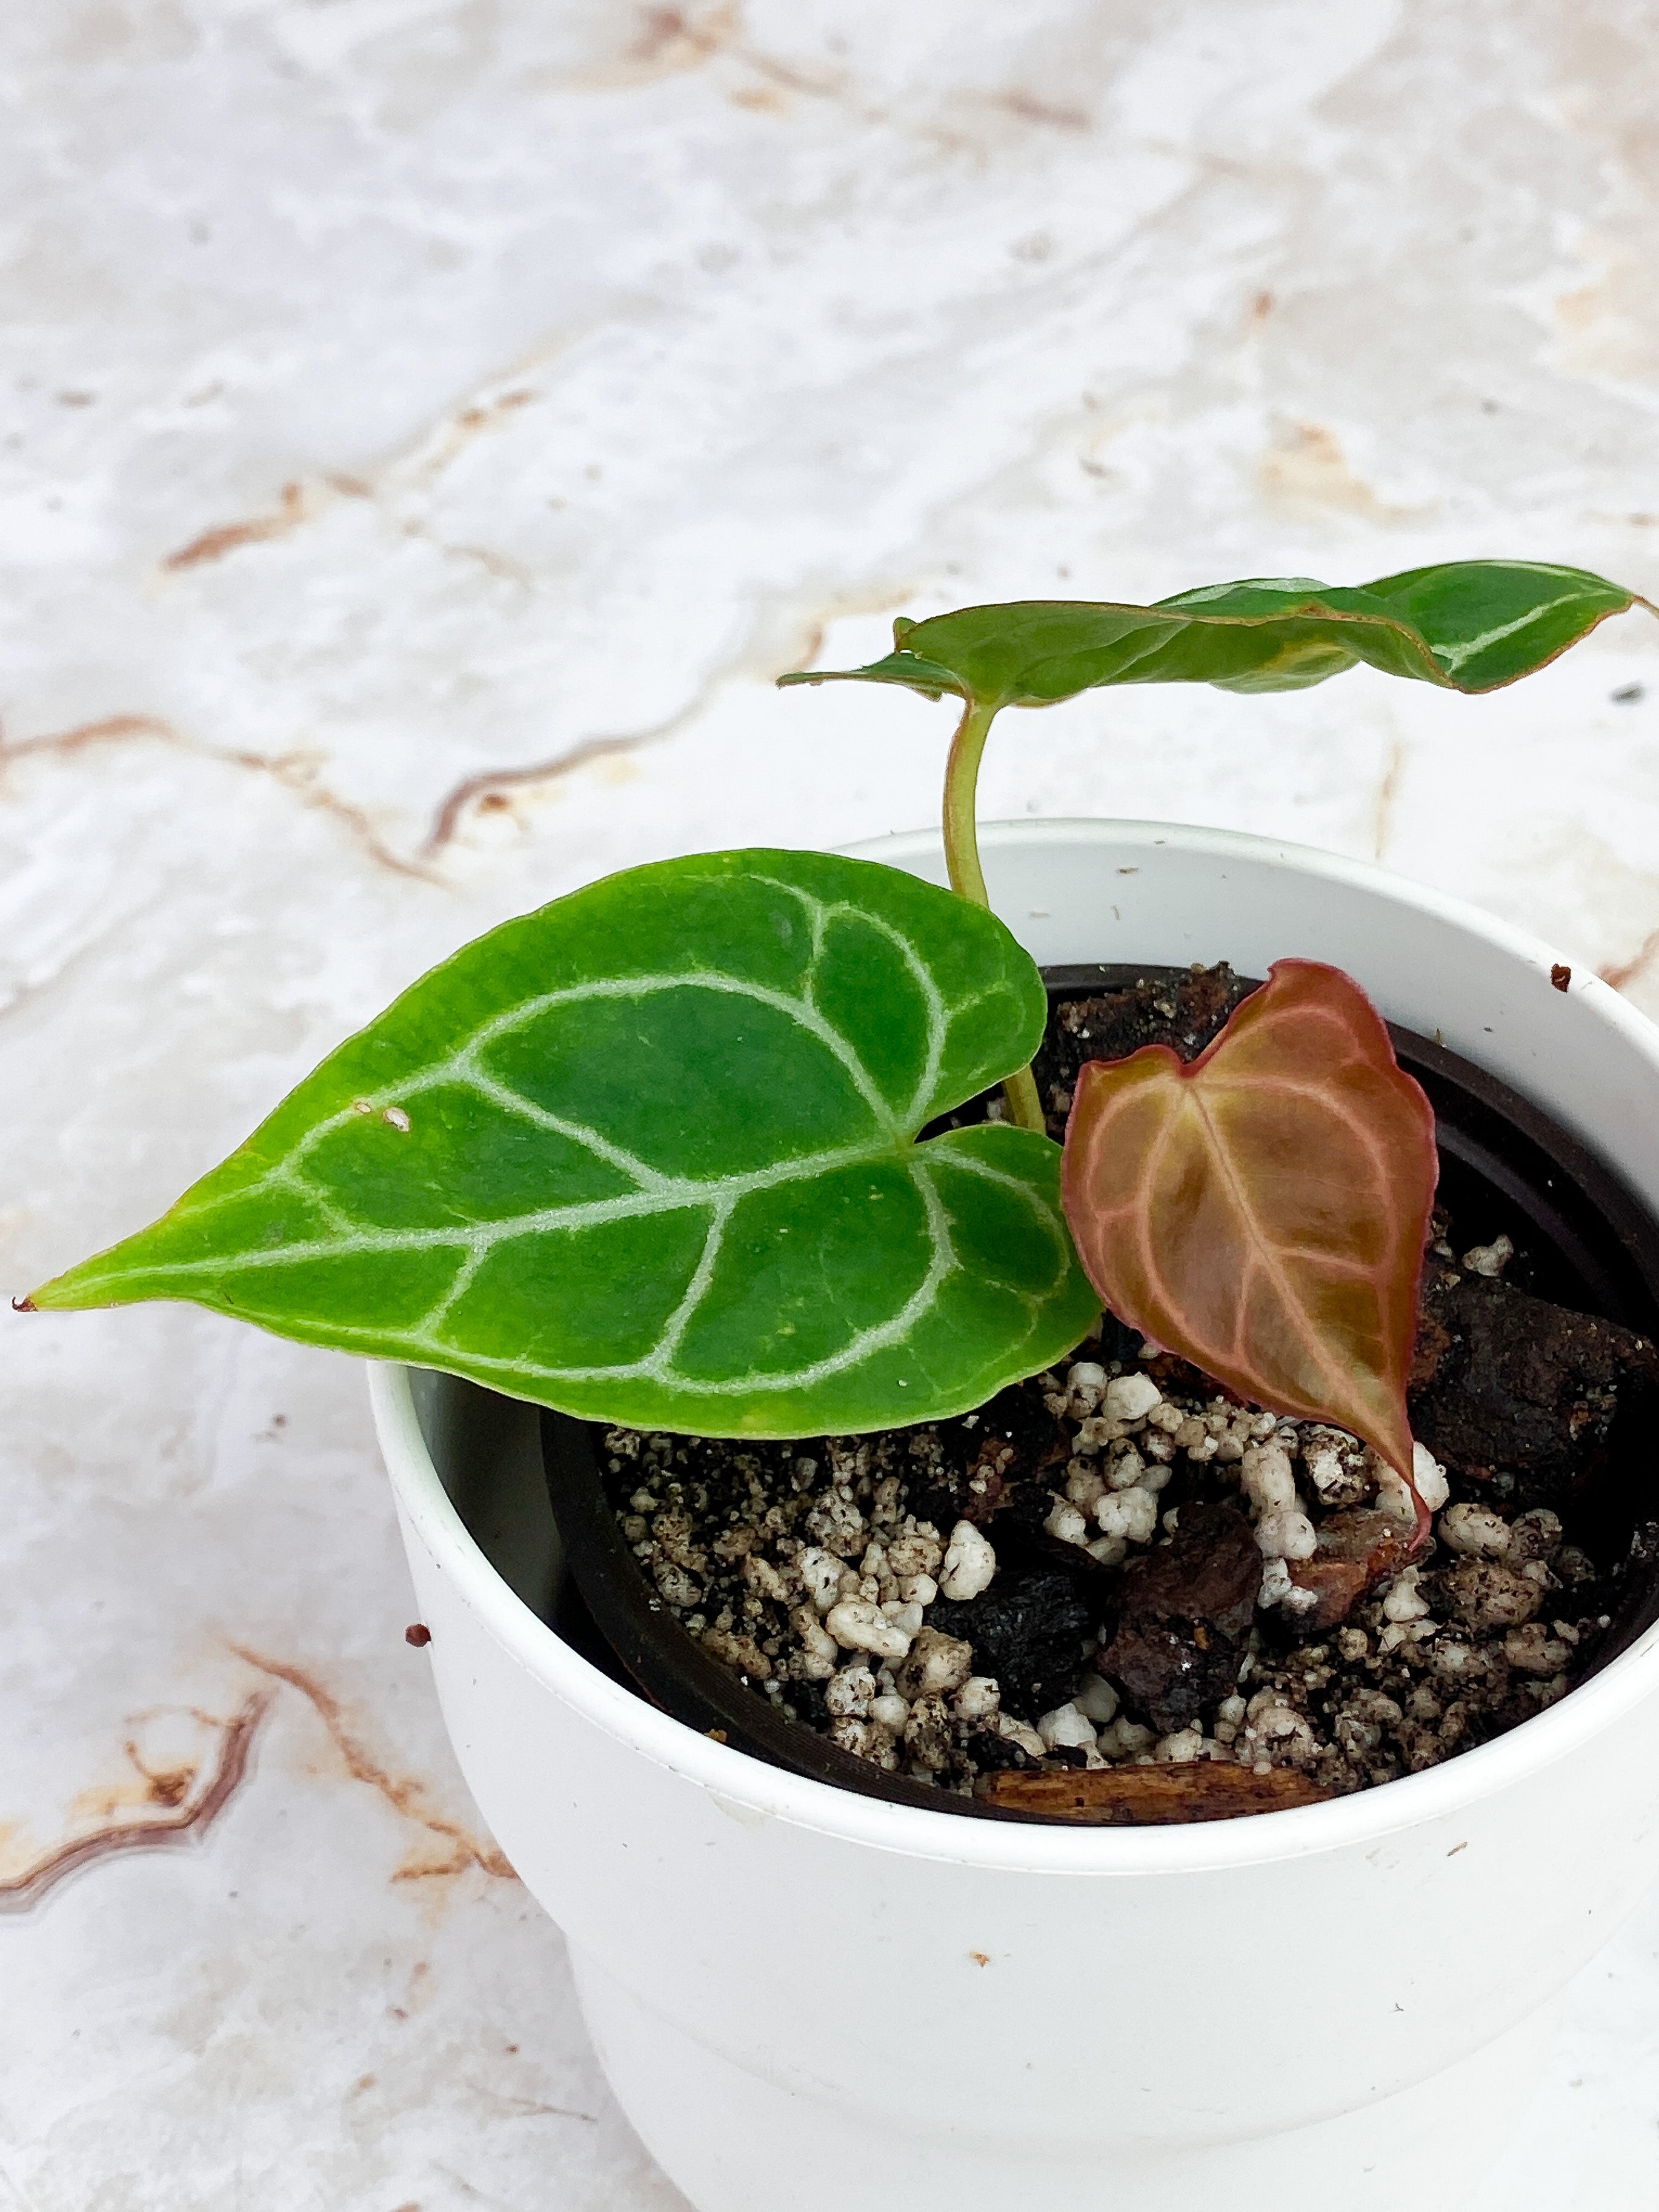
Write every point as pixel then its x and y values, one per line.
pixel 649 1156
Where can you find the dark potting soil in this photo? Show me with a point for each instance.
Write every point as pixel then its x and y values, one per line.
pixel 1116 1565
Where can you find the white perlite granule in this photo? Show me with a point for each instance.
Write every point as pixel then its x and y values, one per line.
pixel 969 1563
pixel 858 1625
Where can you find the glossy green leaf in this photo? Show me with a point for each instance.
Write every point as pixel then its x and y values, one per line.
pixel 1468 626
pixel 648 1155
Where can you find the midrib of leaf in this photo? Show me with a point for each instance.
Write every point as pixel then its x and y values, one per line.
pixel 670 1195
pixel 657 1366
pixel 1452 657
pixel 1265 1255
pixel 462 1067
pixel 722 1197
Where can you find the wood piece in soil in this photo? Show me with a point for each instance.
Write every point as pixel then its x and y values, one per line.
pixel 1357 1548
pixel 1506 1381
pixel 1027 1631
pixel 1150 1796
pixel 1182 1618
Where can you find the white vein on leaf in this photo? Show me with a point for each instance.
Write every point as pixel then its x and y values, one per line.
pixel 1452 657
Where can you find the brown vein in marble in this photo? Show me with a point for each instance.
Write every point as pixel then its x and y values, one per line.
pixel 427 454
pixel 1622 973
pixel 415 468
pixel 296 772
pixel 530 2108
pixel 303 500
pixel 671 41
pixel 1388 793
pixel 487 790
pixel 1306 467
pixel 527 2108
pixel 403 1793
pixel 186 1822
pixel 214 545
pixel 1048 112
pixel 675 40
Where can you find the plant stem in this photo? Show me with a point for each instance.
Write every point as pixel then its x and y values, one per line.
pixel 967 878
pixel 961 787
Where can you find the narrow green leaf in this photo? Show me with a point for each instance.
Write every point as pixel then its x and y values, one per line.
pixel 1468 626
pixel 649 1156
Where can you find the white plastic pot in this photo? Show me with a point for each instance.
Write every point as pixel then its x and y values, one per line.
pixel 807 1998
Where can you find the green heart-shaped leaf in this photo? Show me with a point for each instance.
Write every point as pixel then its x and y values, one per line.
pixel 1468 626
pixel 649 1155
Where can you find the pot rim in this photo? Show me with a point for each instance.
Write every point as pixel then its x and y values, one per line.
pixel 745 1787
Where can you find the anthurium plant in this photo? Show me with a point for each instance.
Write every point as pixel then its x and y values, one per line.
pixel 655 1154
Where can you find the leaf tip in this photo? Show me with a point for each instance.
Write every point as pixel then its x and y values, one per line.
pixel 24 1305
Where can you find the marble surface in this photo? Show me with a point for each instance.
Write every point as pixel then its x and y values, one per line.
pixel 429 425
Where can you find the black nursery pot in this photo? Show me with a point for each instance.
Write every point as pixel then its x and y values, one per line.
pixel 1591 1245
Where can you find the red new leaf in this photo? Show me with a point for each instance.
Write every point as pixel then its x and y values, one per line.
pixel 1262 1210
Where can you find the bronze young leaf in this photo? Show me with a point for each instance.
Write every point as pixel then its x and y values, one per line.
pixel 1262 1210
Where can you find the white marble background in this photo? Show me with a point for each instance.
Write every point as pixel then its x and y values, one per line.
pixel 428 426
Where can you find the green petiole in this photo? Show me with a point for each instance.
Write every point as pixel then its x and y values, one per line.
pixel 967 877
